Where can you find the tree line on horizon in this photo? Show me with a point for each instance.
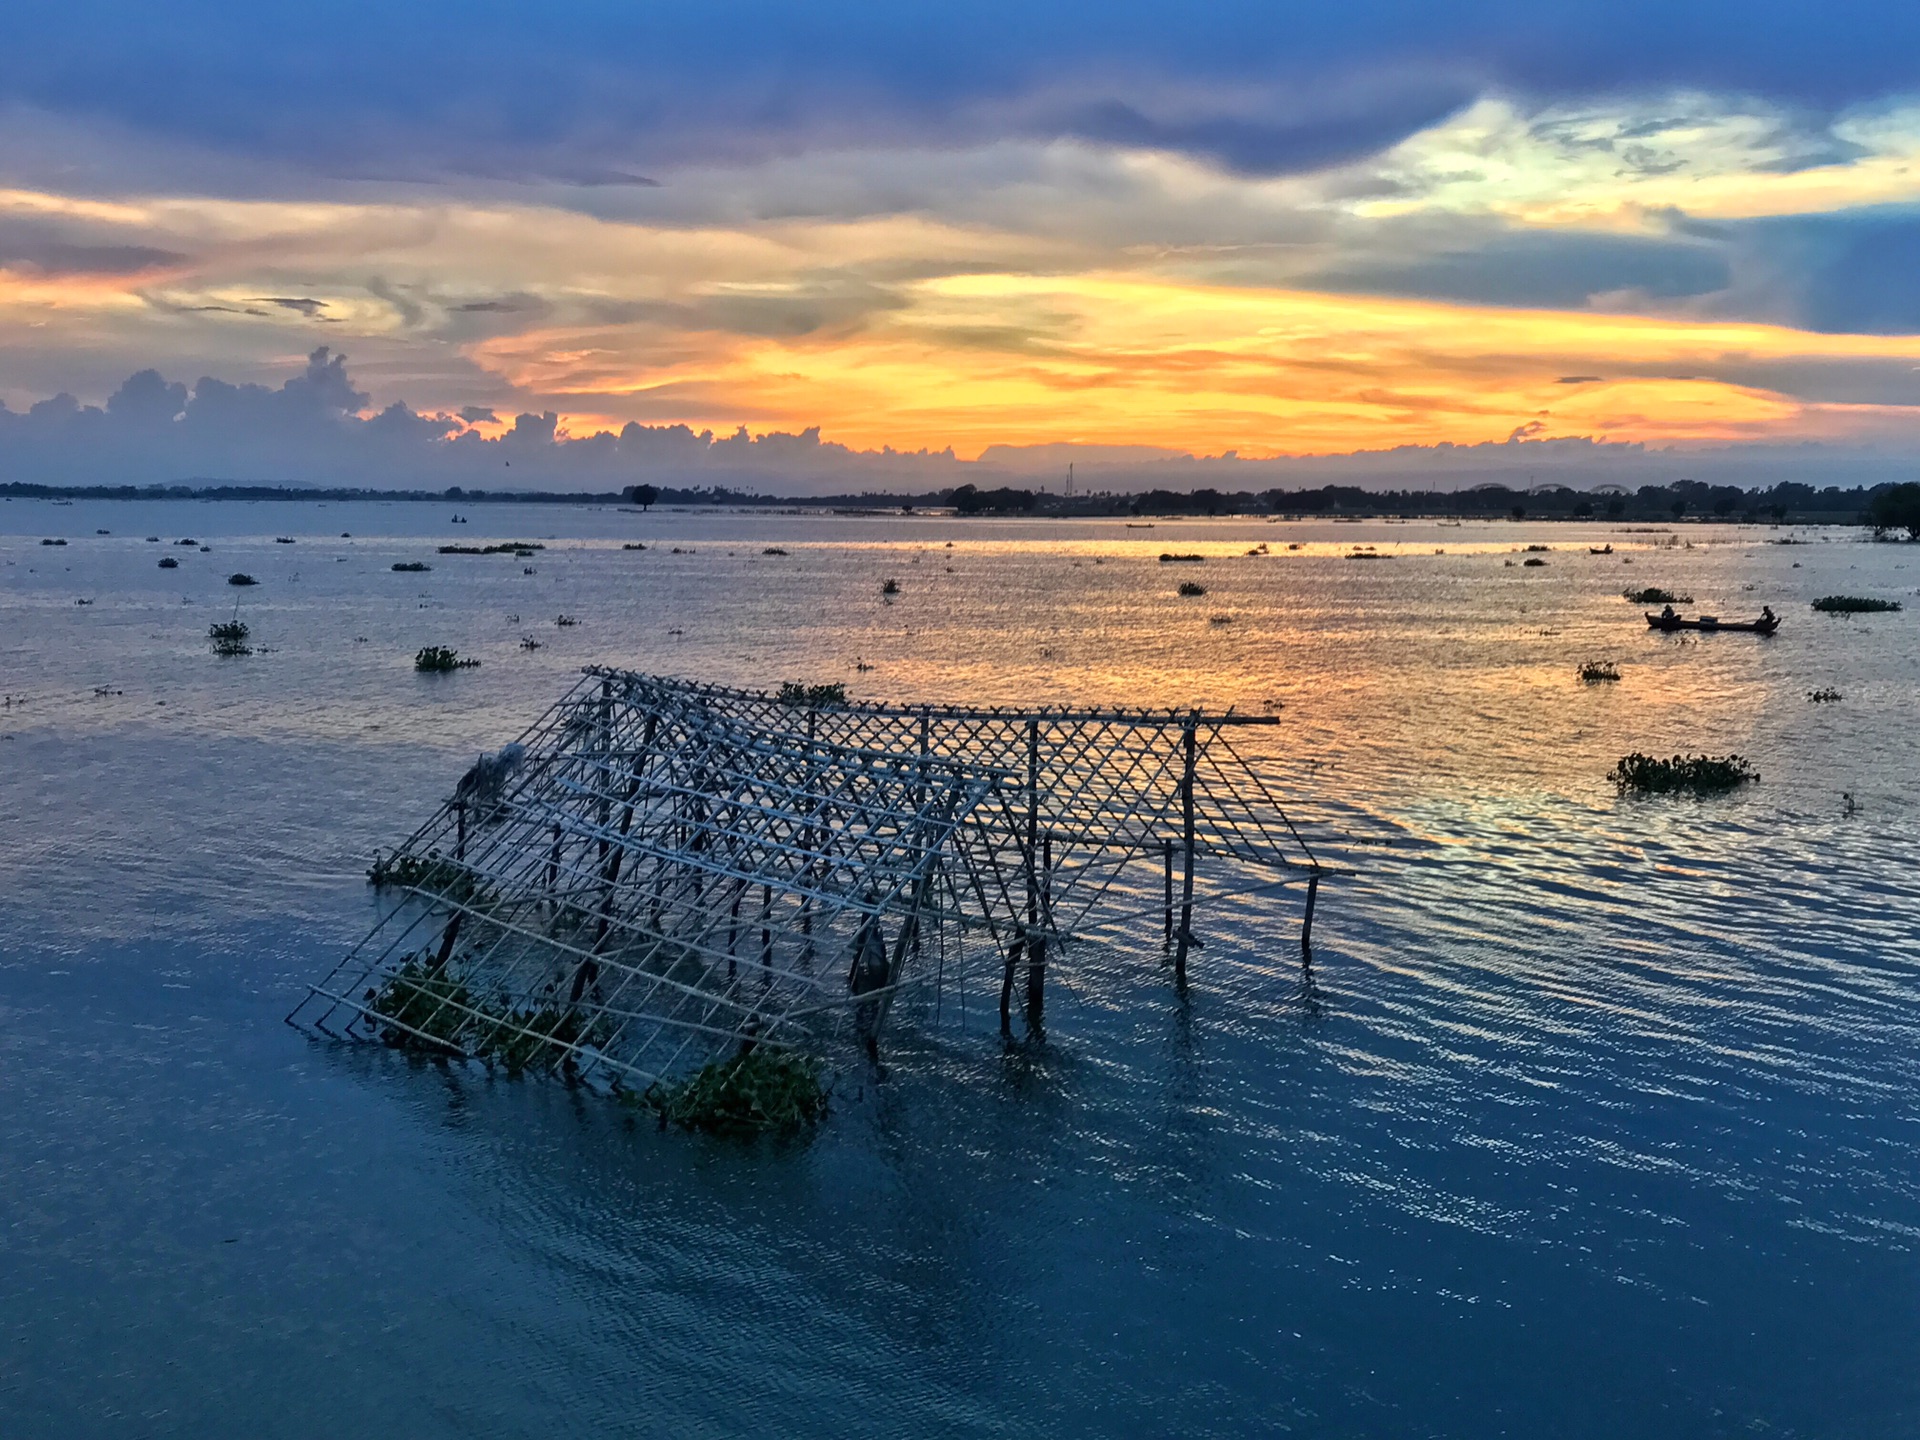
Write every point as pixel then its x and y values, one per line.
pixel 1888 508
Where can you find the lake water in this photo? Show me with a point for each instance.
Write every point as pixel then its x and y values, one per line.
pixel 1599 1118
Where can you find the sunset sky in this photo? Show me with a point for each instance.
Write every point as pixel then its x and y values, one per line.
pixel 1264 228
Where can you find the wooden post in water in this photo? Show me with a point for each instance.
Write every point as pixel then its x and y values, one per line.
pixel 1188 738
pixel 1166 849
pixel 1036 911
pixel 1306 925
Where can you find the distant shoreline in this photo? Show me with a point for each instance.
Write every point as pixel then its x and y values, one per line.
pixel 1685 502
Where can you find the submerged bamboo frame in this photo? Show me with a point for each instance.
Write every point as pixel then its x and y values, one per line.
pixel 678 870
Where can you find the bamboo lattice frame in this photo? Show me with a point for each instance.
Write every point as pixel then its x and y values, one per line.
pixel 676 869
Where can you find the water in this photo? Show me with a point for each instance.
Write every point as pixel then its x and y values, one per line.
pixel 1598 1119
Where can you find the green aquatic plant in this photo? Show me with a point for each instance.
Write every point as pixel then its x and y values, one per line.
pixel 1191 588
pixel 1594 672
pixel 763 1091
pixel 411 567
pixel 230 638
pixel 1824 697
pixel 240 577
pixel 437 659
pixel 167 562
pixel 811 697
pixel 506 547
pixel 424 872
pixel 1694 774
pixel 1183 559
pixel 773 550
pixel 1854 605
pixel 429 1007
pixel 1654 595
pixel 1532 560
pixel 520 1038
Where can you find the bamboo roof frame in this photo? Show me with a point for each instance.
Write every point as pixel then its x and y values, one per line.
pixel 678 869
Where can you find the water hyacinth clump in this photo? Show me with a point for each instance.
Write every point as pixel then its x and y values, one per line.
pixel 240 577
pixel 436 659
pixel 811 696
pixel 1854 605
pixel 1654 595
pixel 1595 672
pixel 1191 588
pixel 427 1006
pixel 1691 774
pixel 229 639
pixel 411 567
pixel 167 562
pixel 763 1091
pixel 1825 696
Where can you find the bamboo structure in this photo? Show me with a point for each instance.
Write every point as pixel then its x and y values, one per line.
pixel 660 873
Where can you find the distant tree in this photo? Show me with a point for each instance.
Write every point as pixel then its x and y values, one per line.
pixel 1519 512
pixel 1616 506
pixel 642 495
pixel 1896 508
pixel 1583 510
pixel 454 492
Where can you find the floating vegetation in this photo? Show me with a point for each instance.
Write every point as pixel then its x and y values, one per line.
pixel 633 545
pixel 411 567
pixel 1532 560
pixel 422 872
pixel 167 562
pixel 521 548
pixel 1694 774
pixel 773 550
pixel 1220 620
pixel 1367 555
pixel 1654 595
pixel 1596 672
pixel 437 659
pixel 890 586
pixel 230 639
pixel 428 1007
pixel 763 1091
pixel 240 577
pixel 1824 697
pixel 53 542
pixel 1192 587
pixel 1853 605
pixel 563 621
pixel 1183 559
pixel 186 542
pixel 1538 549
pixel 527 642
pixel 811 696
pixel 283 540
pixel 519 1038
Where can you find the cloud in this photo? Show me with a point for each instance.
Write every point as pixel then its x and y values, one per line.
pixel 583 93
pixel 302 304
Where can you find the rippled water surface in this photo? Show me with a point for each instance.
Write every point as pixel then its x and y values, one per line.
pixel 1598 1116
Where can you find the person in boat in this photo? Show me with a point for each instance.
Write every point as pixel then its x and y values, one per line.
pixel 1767 616
pixel 1667 615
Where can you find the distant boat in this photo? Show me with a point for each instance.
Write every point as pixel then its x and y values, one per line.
pixel 1182 559
pixel 1765 625
pixel 1602 550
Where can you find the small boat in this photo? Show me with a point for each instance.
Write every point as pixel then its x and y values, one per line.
pixel 1765 625
pixel 1600 550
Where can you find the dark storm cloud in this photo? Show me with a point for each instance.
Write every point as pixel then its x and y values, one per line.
pixel 31 246
pixel 597 93
pixel 1851 272
pixel 1481 262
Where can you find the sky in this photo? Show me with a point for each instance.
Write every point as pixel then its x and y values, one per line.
pixel 1244 230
